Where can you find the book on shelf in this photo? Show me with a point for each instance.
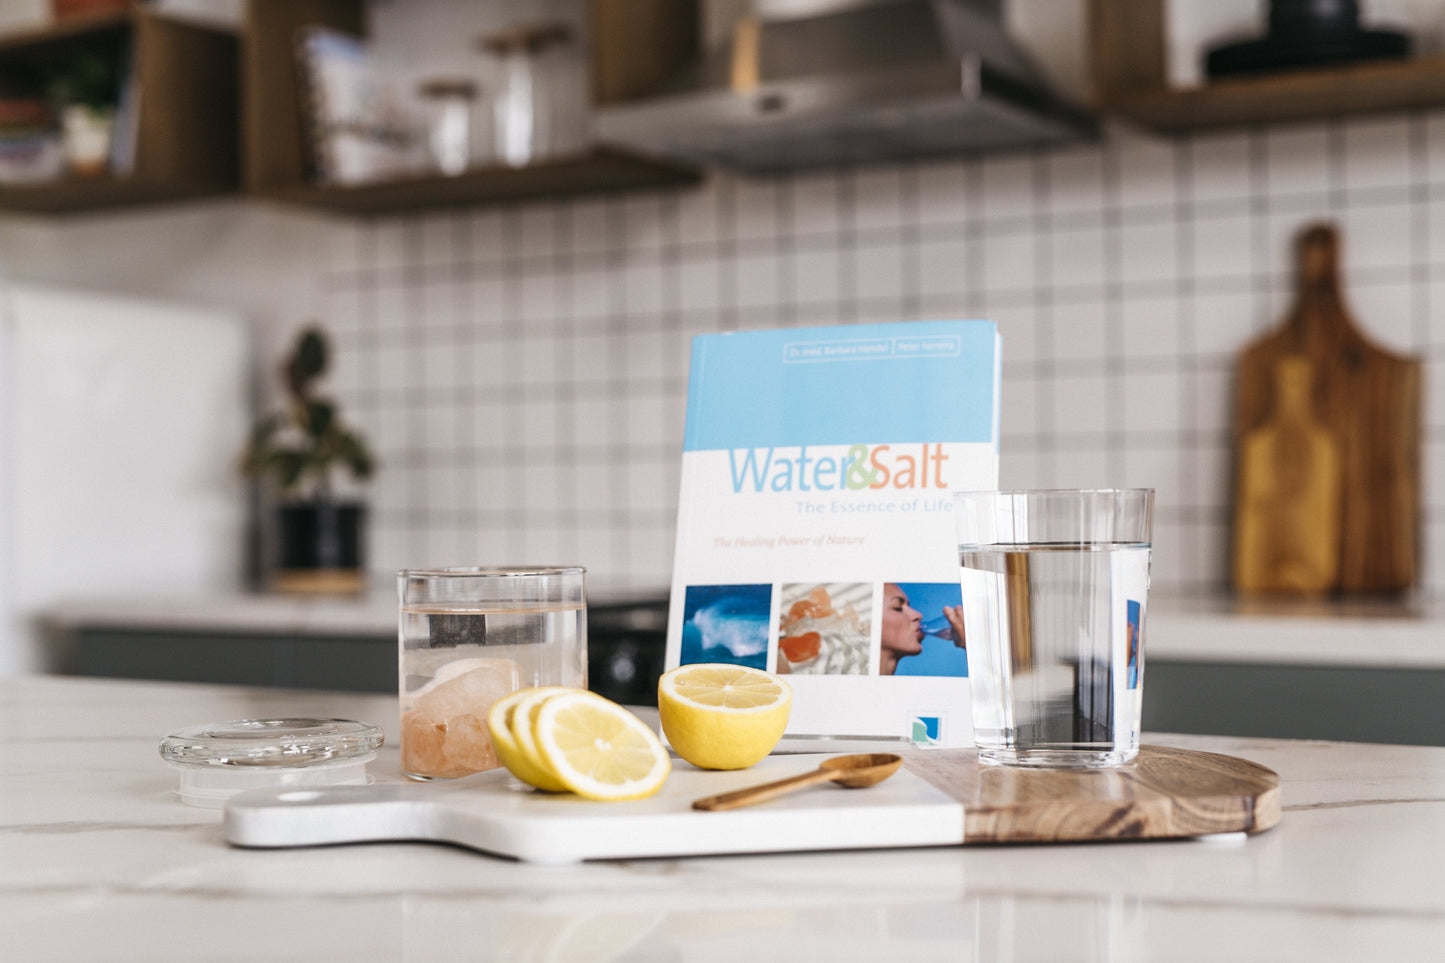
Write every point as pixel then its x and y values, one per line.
pixel 815 532
pixel 360 123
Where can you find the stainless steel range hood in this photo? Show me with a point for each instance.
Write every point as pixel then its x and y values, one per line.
pixel 811 83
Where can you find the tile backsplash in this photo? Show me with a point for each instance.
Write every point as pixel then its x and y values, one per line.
pixel 523 370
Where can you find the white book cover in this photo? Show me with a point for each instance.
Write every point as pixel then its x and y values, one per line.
pixel 815 533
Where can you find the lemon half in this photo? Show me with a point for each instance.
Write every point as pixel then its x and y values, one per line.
pixel 719 716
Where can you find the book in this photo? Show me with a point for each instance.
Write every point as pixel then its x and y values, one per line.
pixel 360 123
pixel 815 532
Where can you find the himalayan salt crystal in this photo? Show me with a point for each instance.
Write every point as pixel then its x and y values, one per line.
pixel 444 732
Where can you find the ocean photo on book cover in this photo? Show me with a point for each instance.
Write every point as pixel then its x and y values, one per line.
pixel 815 533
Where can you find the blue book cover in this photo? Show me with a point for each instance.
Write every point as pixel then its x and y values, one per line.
pixel 815 533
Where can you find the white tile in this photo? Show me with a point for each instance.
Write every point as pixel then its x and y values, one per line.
pixel 1149 251
pixel 697 213
pixel 1008 187
pixel 592 356
pixel 1214 401
pixel 1297 159
pixel 1080 331
pixel 755 208
pixel 1018 328
pixel 1225 322
pixel 1018 469
pixel 1158 467
pixel 391 243
pixel 645 488
pixel 488 301
pixel 1222 247
pixel 645 414
pixel 1377 152
pixel 440 364
pixel 1152 402
pixel 540 300
pixel 542 491
pixel 1213 480
pixel 342 241
pixel 539 423
pixel 943 193
pixel 814 198
pixel 1009 262
pixel 1077 257
pixel 1076 180
pixel 757 276
pixel 815 275
pixel 697 282
pixel 643 282
pixel 392 373
pixel 485 230
pixel 593 493
pixel 1434 214
pixel 1212 566
pixel 1385 313
pixel 438 238
pixel 592 293
pixel 944 265
pixel 1080 404
pixel 591 422
pixel 1151 326
pixel 877 198
pixel 1373 237
pixel 643 215
pixel 1220 167
pixel 1435 156
pixel 492 363
pixel 592 226
pixel 539 361
pixel 644 355
pixel 1146 171
pixel 438 302
pixel 878 272
pixel 1018 409
pixel 1089 467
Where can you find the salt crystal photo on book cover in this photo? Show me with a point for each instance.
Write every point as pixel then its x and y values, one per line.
pixel 815 529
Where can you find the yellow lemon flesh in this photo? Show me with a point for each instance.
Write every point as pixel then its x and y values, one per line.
pixel 719 716
pixel 598 749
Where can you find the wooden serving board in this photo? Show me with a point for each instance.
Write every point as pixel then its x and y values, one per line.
pixel 1366 404
pixel 939 798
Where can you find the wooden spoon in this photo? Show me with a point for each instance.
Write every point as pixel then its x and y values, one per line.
pixel 855 772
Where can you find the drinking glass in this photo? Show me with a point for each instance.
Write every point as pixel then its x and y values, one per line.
pixel 468 637
pixel 1055 592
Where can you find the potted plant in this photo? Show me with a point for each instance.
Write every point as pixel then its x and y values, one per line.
pixel 86 91
pixel 299 450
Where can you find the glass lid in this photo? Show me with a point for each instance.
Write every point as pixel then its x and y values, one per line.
pixel 271 742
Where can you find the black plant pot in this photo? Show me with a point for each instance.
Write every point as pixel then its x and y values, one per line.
pixel 319 547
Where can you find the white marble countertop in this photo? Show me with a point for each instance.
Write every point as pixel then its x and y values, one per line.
pixel 1181 628
pixel 98 860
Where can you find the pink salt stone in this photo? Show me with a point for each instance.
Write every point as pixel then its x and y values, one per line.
pixel 444 733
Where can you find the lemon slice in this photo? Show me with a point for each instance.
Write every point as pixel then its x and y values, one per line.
pixel 598 749
pixel 500 720
pixel 521 722
pixel 719 716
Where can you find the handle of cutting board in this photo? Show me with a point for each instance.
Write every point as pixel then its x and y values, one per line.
pixel 768 790
pixel 291 816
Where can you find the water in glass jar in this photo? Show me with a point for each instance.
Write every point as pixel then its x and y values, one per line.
pixel 1055 650
pixel 456 660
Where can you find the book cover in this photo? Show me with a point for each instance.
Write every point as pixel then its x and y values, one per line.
pixel 815 533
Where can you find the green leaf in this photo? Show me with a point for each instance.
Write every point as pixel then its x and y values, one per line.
pixel 319 417
pixel 307 362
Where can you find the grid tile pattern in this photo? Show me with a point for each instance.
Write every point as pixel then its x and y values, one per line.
pixel 524 370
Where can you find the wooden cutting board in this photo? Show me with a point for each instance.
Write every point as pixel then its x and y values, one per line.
pixel 1366 406
pixel 940 798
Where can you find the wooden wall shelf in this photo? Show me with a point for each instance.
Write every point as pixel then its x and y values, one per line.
pixel 1128 73
pixel 186 122
pixel 634 45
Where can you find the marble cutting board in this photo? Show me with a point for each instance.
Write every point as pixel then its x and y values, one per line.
pixel 940 798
